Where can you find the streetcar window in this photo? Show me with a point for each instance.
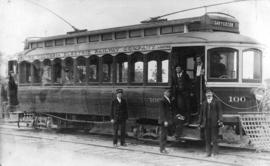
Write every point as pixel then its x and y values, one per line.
pixel 36 72
pixel 93 68
pixel 166 30
pixel 25 74
pixel 57 68
pixel 121 35
pixel 158 67
pixel 46 72
pixel 135 33
pixel 136 67
pixel 94 38
pixel 107 68
pixel 70 41
pixel 40 44
pixel 82 39
pixel 33 45
pixel 252 65
pixel 59 42
pixel 222 64
pixel 68 71
pixel 106 36
pixel 81 69
pixel 121 68
pixel 49 43
pixel 150 32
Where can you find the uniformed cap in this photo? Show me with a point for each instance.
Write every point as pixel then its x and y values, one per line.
pixel 119 91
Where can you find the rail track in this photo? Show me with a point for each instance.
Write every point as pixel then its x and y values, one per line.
pixel 29 134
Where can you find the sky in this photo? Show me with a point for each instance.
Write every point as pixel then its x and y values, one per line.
pixel 21 19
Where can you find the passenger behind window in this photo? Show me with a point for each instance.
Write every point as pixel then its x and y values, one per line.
pixel 217 69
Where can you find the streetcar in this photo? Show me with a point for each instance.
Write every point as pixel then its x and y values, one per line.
pixel 69 80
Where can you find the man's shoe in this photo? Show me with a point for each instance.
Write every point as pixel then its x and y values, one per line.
pixel 164 151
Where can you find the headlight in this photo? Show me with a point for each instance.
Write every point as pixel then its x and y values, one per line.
pixel 259 93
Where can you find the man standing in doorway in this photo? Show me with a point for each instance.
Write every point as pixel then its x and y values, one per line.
pixel 199 81
pixel 181 85
pixel 210 121
pixel 119 115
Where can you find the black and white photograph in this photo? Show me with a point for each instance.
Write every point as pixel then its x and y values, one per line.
pixel 130 83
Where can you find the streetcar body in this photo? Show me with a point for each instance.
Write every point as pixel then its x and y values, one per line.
pixel 73 77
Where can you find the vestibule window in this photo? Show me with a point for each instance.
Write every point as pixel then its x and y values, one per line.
pixel 25 72
pixel 57 69
pixel 36 72
pixel 252 65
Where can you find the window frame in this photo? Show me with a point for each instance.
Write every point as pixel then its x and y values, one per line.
pixel 261 63
pixel 220 79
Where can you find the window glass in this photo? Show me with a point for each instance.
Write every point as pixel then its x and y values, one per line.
pixel 94 38
pixel 34 45
pixel 150 32
pixel 57 69
pixel 121 68
pixel 25 74
pixel 46 72
pixel 121 35
pixel 81 69
pixel 36 72
pixel 136 74
pixel 166 30
pixel 40 44
pixel 106 36
pixel 68 71
pixel 70 41
pixel 152 71
pixel 158 67
pixel 135 33
pixel 252 65
pixel 93 68
pixel 82 39
pixel 222 63
pixel 49 43
pixel 165 71
pixel 107 68
pixel 59 42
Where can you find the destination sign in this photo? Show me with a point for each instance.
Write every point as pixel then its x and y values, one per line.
pixel 100 51
pixel 223 23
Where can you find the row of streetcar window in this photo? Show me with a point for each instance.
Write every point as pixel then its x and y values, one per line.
pixel 110 36
pixel 121 68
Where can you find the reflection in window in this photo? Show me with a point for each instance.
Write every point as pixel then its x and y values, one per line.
pixel 121 68
pixel 93 68
pixel 158 67
pixel 107 68
pixel 68 71
pixel 165 71
pixel 25 74
pixel 252 65
pixel 136 74
pixel 81 69
pixel 152 71
pixel 46 72
pixel 57 68
pixel 222 63
pixel 36 72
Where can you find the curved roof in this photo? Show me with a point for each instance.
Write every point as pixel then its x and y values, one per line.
pixel 185 38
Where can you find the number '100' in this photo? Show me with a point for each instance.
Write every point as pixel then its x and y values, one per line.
pixel 237 99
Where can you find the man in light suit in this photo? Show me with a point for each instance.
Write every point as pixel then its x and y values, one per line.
pixel 119 115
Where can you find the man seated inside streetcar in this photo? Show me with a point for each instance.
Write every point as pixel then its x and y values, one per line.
pixel 217 69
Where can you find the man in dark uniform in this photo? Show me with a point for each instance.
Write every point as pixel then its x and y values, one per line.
pixel 119 115
pixel 166 116
pixel 210 121
pixel 181 85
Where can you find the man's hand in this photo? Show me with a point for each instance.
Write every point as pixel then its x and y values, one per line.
pixel 112 121
pixel 165 123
